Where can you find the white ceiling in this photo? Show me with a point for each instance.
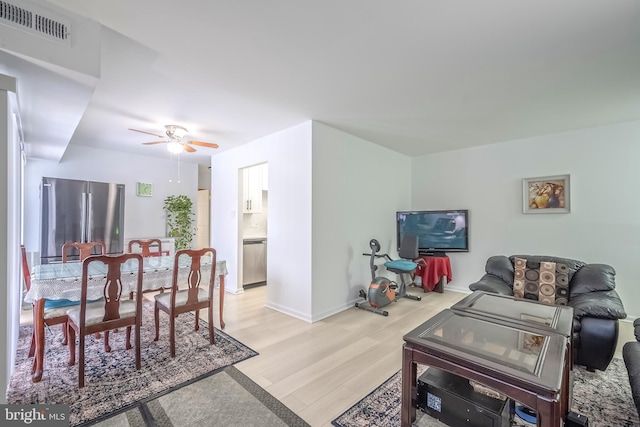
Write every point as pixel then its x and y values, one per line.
pixel 418 76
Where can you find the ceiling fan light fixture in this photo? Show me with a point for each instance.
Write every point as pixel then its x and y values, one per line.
pixel 176 131
pixel 175 147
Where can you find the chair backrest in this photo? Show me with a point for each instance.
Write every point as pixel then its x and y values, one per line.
pixel 409 247
pixel 145 246
pixel 25 268
pixel 112 289
pixel 85 249
pixel 194 277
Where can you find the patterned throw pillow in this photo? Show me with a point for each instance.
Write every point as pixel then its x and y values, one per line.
pixel 547 282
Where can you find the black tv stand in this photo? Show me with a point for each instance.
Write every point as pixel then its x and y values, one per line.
pixel 434 253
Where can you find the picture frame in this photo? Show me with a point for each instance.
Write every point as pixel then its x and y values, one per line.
pixel 546 194
pixel 144 189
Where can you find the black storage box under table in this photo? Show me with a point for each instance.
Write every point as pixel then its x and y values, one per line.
pixel 452 400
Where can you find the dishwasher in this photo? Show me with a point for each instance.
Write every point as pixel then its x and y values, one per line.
pixel 254 262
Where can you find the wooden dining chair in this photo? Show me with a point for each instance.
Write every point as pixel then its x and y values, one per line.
pixel 145 250
pixel 190 296
pixel 53 315
pixel 85 249
pixel 145 246
pixel 109 313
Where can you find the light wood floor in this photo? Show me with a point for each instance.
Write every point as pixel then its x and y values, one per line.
pixel 320 370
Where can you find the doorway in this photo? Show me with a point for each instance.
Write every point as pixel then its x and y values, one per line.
pixel 255 208
pixel 202 219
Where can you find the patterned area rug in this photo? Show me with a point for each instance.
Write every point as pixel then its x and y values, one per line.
pixel 111 380
pixel 604 397
pixel 225 398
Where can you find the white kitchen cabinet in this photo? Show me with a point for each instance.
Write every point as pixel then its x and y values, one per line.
pixel 252 189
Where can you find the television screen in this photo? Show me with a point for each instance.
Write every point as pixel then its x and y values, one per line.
pixel 437 231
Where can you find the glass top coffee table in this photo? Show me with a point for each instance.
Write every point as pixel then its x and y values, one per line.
pixel 557 318
pixel 526 361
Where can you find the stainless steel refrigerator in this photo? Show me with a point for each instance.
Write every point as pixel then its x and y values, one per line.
pixel 80 211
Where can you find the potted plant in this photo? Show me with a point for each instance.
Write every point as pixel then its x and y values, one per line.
pixel 179 220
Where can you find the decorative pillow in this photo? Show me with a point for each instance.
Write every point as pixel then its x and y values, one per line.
pixel 547 282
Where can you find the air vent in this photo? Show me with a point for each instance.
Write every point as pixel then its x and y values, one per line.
pixel 35 22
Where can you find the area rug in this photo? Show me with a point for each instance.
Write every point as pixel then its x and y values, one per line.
pixel 111 380
pixel 225 398
pixel 604 397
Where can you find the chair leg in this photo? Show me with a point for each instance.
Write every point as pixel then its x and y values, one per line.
pixel 32 349
pixel 107 347
pixel 128 338
pixel 197 320
pixel 156 313
pixel 212 339
pixel 172 335
pixel 138 363
pixel 65 334
pixel 81 362
pixel 72 345
pixel 39 356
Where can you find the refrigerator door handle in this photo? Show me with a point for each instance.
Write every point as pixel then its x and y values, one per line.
pixel 83 230
pixel 89 216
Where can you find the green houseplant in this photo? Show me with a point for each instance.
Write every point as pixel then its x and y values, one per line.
pixel 180 220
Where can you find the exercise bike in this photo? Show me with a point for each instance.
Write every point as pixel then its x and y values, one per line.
pixel 383 291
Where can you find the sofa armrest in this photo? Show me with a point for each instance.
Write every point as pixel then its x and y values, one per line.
pixel 602 304
pixel 493 284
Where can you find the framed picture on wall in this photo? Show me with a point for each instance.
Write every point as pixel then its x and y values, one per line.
pixel 144 189
pixel 546 194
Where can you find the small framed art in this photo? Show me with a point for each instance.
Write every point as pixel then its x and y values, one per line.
pixel 144 189
pixel 546 194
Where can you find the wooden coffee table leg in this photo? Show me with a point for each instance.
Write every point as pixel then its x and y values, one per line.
pixel 548 413
pixel 409 381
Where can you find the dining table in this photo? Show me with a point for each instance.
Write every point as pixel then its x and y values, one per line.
pixel 63 281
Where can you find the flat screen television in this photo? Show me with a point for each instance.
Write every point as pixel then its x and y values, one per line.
pixel 438 231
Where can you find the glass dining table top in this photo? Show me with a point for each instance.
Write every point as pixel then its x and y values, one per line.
pixel 58 281
pixel 73 270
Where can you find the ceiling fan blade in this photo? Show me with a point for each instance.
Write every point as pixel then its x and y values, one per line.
pixel 189 148
pixel 204 144
pixel 153 142
pixel 148 133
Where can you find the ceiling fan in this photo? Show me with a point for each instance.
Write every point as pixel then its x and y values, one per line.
pixel 176 141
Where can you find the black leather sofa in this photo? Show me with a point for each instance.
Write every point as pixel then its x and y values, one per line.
pixel 631 356
pixel 596 305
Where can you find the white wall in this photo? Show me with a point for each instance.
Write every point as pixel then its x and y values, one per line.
pixel 329 194
pixel 604 223
pixel 288 154
pixel 357 188
pixel 10 227
pixel 144 216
